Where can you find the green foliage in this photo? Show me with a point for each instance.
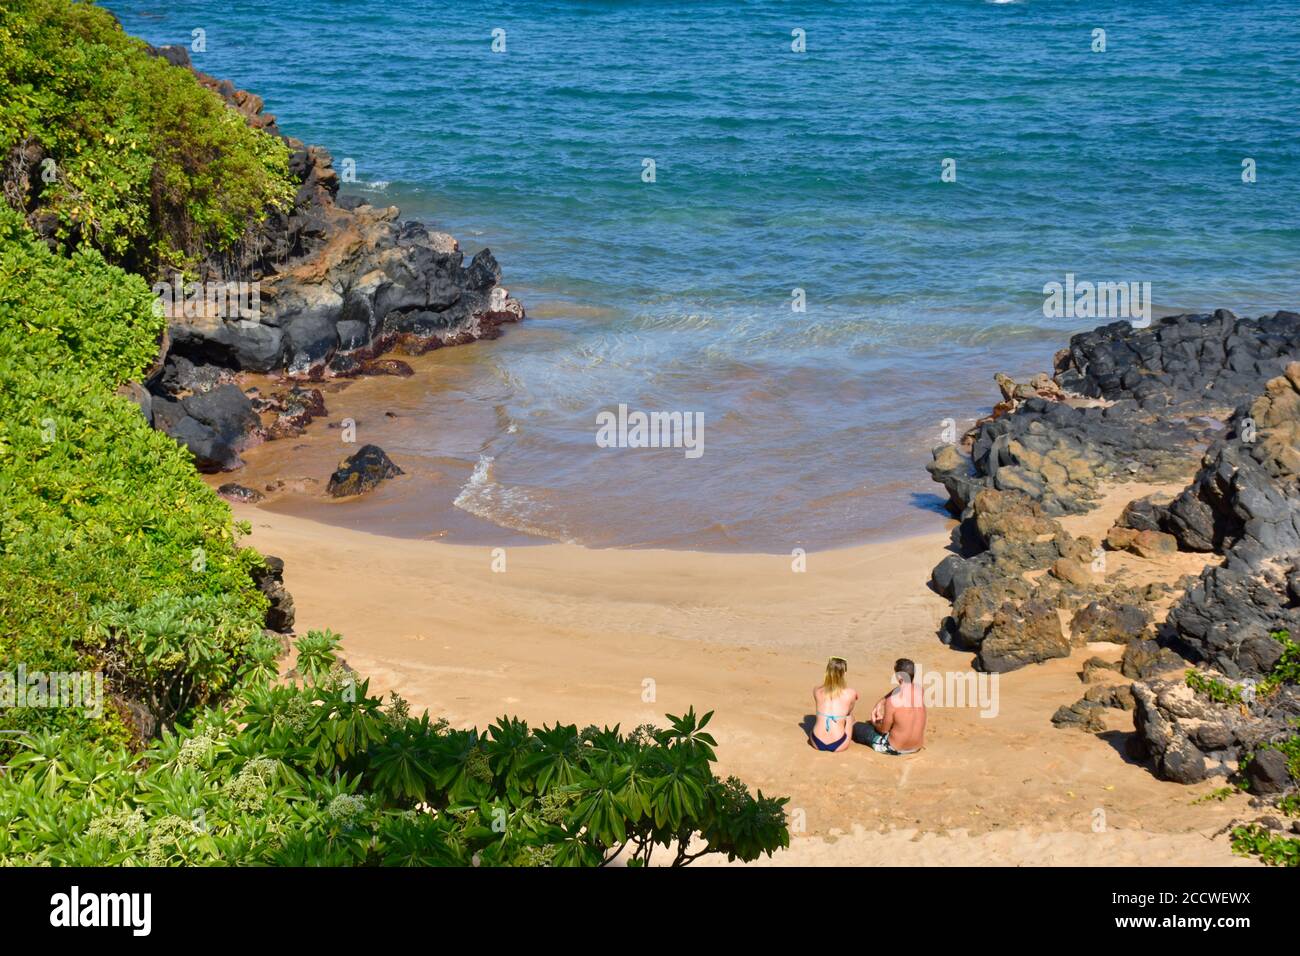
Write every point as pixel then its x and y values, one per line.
pixel 174 652
pixel 1216 690
pixel 1221 793
pixel 319 774
pixel 1287 668
pixel 1256 840
pixel 316 653
pixel 103 521
pixel 150 168
pixel 1290 748
pixel 1285 671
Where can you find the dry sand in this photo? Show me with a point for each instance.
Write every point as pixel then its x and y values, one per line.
pixel 576 635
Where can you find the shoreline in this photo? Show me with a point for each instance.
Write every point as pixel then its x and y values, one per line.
pixel 440 430
pixel 310 514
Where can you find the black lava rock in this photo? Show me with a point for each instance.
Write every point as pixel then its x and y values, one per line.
pixel 361 472
pixel 1267 772
pixel 237 492
pixel 270 581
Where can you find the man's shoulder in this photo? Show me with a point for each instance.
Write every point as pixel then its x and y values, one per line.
pixel 913 699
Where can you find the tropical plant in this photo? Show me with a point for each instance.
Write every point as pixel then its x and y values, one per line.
pixel 320 774
pixel 175 651
pixel 1273 849
pixel 1212 688
pixel 316 653
pixel 133 157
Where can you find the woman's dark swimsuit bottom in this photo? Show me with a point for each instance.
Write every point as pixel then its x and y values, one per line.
pixel 821 746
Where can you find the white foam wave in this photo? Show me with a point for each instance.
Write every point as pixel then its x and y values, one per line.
pixel 513 508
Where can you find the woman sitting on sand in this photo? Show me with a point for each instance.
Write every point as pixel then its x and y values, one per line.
pixel 835 701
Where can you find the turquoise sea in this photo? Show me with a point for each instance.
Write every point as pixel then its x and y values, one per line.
pixel 777 170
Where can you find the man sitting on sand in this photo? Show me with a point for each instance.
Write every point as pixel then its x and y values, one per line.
pixel 898 719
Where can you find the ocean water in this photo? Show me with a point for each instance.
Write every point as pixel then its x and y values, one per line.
pixel 775 171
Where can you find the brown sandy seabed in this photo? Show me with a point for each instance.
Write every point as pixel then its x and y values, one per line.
pixel 570 633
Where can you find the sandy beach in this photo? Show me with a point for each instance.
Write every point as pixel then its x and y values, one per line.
pixel 624 636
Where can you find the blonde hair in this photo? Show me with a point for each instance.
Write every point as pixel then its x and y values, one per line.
pixel 836 668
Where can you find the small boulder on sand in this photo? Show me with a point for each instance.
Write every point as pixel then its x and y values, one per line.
pixel 361 472
pixel 1146 544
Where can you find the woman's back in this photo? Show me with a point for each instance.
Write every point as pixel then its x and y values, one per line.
pixel 831 722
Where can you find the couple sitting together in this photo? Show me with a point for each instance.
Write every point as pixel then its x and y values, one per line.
pixel 897 721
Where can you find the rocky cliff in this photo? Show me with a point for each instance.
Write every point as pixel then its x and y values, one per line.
pixel 1125 405
pixel 338 283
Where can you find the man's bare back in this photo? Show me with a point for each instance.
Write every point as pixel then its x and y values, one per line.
pixel 904 718
pixel 898 719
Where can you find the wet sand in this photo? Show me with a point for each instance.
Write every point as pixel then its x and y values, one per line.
pixel 499 442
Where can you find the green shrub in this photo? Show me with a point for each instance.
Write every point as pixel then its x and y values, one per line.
pixel 97 509
pixel 1285 671
pixel 1258 841
pixel 1255 840
pixel 1287 668
pixel 319 774
pixel 149 167
pixel 316 650
pixel 1216 690
pixel 1289 748
pixel 175 652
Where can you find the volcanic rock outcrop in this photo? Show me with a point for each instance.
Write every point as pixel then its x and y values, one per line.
pixel 338 282
pixel 1188 362
pixel 1189 735
pixel 1213 399
pixel 1238 618
pixel 270 581
pixel 1131 405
